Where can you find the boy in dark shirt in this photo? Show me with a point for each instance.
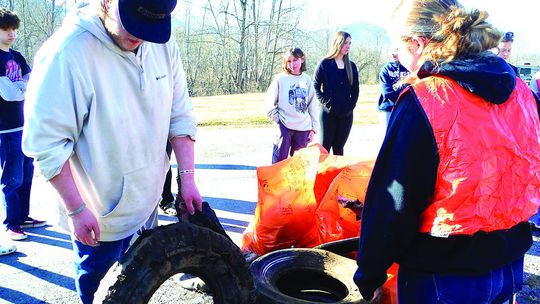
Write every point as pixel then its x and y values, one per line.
pixel 389 78
pixel 17 170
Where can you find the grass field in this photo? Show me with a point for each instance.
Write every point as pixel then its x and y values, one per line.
pixel 249 109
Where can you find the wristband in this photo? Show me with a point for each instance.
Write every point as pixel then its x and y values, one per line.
pixel 186 171
pixel 78 210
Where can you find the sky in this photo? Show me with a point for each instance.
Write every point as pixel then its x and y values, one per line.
pixel 518 16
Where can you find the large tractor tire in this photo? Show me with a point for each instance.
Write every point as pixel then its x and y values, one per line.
pixel 301 276
pixel 165 251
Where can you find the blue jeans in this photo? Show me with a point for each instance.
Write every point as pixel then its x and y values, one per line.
pixel 497 286
pixel 15 179
pixel 92 264
pixel 535 219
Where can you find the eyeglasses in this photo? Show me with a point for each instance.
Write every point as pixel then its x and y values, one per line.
pixel 509 35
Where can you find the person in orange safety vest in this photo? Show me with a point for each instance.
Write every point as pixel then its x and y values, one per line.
pixel 457 176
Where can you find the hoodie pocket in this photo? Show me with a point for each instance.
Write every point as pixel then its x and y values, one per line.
pixel 141 192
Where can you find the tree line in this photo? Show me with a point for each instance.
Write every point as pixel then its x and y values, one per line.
pixel 236 46
pixel 228 47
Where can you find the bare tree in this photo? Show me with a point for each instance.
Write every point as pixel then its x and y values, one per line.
pixel 238 40
pixel 234 46
pixel 263 72
pixel 255 11
pixel 242 25
pixel 39 19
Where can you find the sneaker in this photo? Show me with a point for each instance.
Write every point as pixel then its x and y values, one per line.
pixel 16 234
pixel 191 282
pixel 7 249
pixel 32 223
pixel 168 209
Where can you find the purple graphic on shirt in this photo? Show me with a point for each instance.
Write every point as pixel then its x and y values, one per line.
pixel 13 71
pixel 298 96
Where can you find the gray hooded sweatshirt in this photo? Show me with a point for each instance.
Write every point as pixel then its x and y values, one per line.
pixel 110 113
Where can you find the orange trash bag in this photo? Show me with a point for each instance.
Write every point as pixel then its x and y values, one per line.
pixel 336 221
pixel 329 167
pixel 295 207
pixel 388 292
pixel 285 212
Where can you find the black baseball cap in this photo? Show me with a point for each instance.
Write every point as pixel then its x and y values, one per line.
pixel 149 20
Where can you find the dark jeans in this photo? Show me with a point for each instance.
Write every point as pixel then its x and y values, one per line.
pixel 288 142
pixel 167 196
pixel 15 179
pixel 335 131
pixel 497 286
pixel 535 219
pixel 92 264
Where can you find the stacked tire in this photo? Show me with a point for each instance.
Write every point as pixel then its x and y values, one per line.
pixel 301 276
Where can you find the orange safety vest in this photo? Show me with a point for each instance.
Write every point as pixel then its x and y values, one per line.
pixel 489 172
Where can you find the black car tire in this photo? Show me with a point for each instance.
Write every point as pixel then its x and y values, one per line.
pixel 181 248
pixel 301 276
pixel 345 247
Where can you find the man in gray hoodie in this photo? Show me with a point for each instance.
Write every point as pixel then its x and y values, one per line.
pixel 108 91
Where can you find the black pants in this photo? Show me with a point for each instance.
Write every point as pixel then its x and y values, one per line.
pixel 166 195
pixel 334 131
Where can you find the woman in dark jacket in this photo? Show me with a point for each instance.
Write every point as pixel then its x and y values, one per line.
pixel 337 88
pixel 456 178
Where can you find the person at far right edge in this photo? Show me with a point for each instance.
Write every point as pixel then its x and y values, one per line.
pixel 456 178
pixel 535 87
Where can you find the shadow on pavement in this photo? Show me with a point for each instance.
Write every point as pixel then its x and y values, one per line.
pixel 51 241
pixel 230 205
pixel 49 237
pixel 220 166
pixel 53 234
pixel 231 225
pixel 45 275
pixel 224 167
pixel 14 296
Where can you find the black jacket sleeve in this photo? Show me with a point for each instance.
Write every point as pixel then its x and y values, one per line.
pixel 319 81
pixel 355 90
pixel 402 182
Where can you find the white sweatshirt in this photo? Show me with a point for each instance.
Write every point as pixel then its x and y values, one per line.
pixel 290 100
pixel 12 91
pixel 110 113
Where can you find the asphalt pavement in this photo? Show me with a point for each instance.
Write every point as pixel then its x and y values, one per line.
pixel 41 270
